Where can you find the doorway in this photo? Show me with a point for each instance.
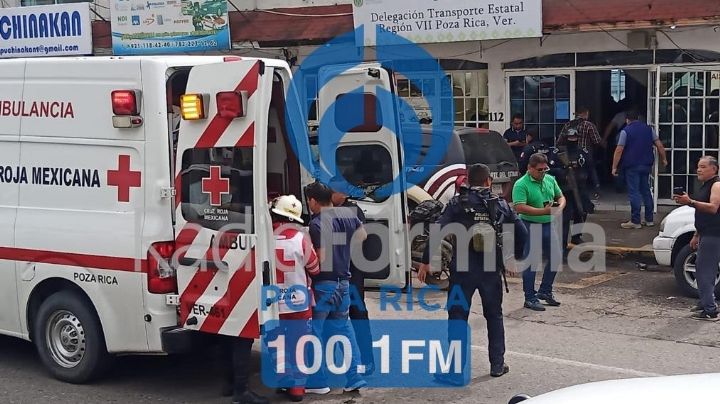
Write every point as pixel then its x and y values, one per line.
pixel 607 94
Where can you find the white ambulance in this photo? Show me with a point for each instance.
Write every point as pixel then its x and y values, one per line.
pixel 98 189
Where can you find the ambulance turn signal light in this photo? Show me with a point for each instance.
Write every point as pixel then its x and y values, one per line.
pixel 192 107
pixel 230 104
pixel 125 102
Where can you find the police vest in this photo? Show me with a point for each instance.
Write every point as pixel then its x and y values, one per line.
pixel 476 218
pixel 638 150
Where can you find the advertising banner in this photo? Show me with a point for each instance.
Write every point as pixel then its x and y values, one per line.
pixel 430 21
pixel 142 27
pixel 54 30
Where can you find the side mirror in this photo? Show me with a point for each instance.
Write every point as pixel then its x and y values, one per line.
pixel 519 398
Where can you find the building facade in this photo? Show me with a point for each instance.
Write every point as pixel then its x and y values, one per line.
pixel 656 56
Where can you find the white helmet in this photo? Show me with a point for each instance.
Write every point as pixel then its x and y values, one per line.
pixel 288 206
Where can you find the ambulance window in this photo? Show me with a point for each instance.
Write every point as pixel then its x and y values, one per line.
pixel 367 167
pixel 217 187
pixel 351 117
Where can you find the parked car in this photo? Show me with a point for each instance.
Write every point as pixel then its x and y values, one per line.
pixel 696 388
pixel 672 248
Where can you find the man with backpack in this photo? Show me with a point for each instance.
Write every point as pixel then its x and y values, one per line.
pixel 588 137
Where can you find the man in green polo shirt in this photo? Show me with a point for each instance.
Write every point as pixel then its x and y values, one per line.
pixel 539 201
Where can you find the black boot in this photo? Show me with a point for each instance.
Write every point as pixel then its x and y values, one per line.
pixel 249 397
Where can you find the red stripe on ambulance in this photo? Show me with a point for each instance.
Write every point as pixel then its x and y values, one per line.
pixel 74 259
pixel 218 125
pixel 239 283
pixel 248 138
pixel 252 328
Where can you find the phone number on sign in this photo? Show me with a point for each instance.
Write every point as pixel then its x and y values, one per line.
pixel 174 44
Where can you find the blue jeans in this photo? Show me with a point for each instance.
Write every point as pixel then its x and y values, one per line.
pixel 551 249
pixel 638 184
pixel 332 300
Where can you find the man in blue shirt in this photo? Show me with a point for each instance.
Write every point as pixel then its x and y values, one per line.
pixel 634 153
pixel 515 136
pixel 331 287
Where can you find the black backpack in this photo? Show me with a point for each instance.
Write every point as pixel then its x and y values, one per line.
pixel 571 128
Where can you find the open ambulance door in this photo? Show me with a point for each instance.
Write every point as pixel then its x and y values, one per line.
pixel 223 230
pixel 354 104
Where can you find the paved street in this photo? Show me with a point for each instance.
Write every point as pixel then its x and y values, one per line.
pixel 626 323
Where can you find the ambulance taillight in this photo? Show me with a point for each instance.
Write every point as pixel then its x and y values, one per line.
pixel 160 274
pixel 192 107
pixel 230 104
pixel 126 108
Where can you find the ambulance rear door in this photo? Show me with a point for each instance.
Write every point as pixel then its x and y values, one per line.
pixel 359 114
pixel 223 230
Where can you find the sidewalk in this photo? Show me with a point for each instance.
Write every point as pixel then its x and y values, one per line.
pixel 613 209
pixel 619 241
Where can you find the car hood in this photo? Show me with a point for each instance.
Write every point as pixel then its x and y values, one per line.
pixel 678 218
pixel 700 388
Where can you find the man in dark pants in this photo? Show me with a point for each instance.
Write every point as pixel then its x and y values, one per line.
pixel 236 356
pixel 707 236
pixel 358 310
pixel 569 155
pixel 471 209
pixel 588 138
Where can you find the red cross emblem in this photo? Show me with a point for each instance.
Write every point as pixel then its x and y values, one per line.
pixel 284 265
pixel 216 186
pixel 123 178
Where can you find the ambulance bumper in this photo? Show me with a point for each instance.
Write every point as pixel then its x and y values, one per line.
pixel 177 340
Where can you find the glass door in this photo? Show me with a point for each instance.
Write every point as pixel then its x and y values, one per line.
pixel 545 99
pixel 687 101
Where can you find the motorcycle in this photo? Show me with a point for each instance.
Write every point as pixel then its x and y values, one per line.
pixel 427 212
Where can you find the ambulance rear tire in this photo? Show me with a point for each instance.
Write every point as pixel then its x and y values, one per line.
pixel 69 338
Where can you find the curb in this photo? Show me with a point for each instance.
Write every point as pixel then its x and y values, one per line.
pixel 619 251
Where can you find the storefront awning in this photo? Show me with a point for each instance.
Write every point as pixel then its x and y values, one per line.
pixel 304 25
pixel 583 15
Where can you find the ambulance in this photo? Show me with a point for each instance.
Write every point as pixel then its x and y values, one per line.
pixel 119 179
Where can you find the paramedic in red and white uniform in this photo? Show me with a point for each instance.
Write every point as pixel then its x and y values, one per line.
pixel 296 260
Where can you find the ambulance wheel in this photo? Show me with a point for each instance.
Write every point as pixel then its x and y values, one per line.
pixel 69 338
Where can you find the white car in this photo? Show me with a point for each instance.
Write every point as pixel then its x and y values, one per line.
pixel 672 248
pixel 698 388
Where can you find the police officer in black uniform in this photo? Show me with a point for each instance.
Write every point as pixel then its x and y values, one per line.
pixel 568 163
pixel 534 145
pixel 476 208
